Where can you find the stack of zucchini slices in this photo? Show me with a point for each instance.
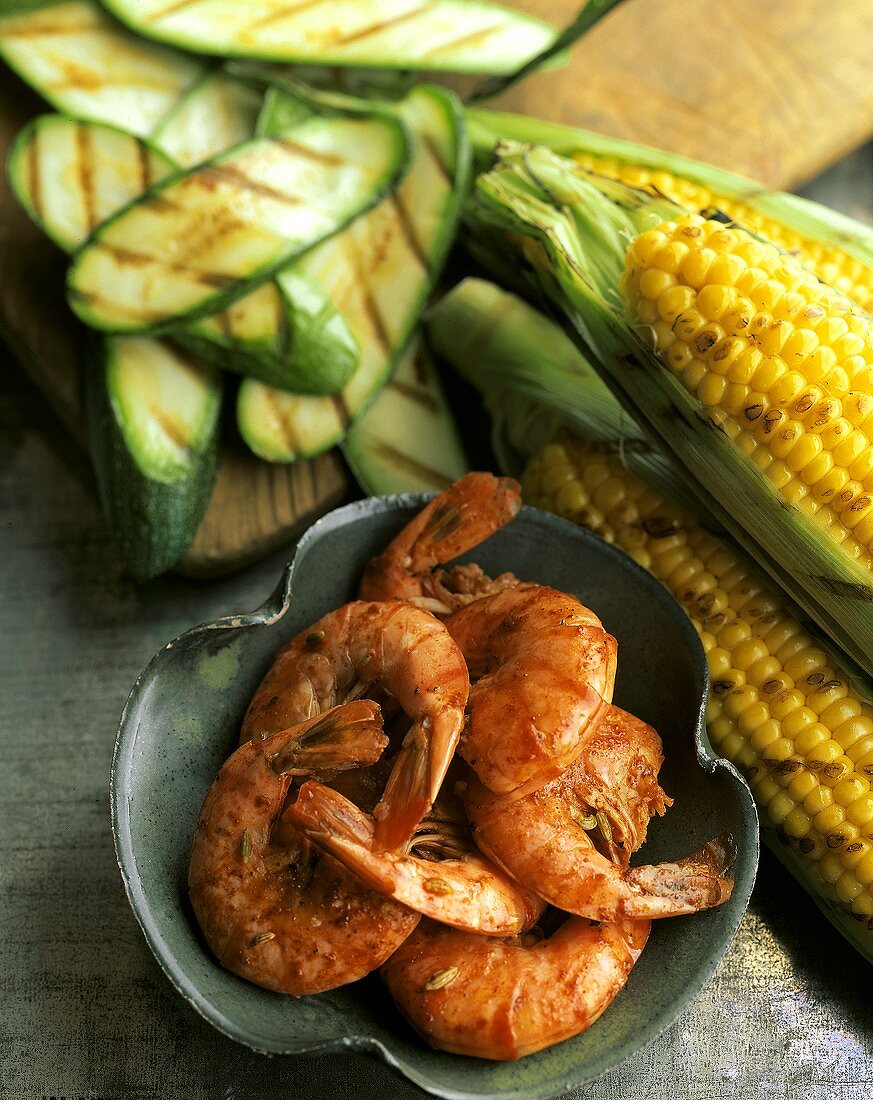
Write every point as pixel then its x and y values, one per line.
pixel 232 217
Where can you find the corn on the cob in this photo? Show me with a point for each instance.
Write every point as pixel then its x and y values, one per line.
pixel 830 262
pixel 781 362
pixel 568 231
pixel 779 707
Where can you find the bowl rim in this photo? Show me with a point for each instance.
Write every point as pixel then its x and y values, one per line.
pixel 274 608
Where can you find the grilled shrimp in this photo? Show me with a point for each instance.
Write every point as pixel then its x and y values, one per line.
pixel 455 521
pixel 543 670
pixel 547 840
pixel 463 890
pixel 505 998
pixel 363 648
pixel 273 908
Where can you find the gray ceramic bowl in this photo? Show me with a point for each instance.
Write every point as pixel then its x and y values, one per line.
pixel 182 720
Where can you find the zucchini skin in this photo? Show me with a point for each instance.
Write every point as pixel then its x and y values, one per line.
pixel 152 522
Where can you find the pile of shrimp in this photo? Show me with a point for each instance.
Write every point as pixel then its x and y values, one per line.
pixel 433 781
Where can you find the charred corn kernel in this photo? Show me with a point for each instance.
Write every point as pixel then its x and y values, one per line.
pixel 779 708
pixel 801 441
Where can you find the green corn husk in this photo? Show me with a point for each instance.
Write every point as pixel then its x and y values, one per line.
pixel 487 129
pixel 567 230
pixel 533 379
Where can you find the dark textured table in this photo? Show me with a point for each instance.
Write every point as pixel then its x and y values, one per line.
pixel 86 1012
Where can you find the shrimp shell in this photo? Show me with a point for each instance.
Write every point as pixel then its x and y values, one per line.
pixel 543 669
pixel 467 892
pixel 505 998
pixel 545 840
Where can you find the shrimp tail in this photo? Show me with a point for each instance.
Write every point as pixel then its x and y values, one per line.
pixel 455 521
pixel 700 881
pixel 331 821
pixel 344 737
pixel 414 782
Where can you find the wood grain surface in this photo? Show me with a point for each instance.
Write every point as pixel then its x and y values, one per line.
pixel 772 88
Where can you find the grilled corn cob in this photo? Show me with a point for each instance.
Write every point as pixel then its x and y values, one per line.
pixel 779 707
pixel 786 346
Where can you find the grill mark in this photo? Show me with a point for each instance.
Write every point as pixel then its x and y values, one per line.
pixel 224 321
pixel 59 29
pixel 101 81
pixel 283 333
pixel 235 176
pixel 34 178
pixel 170 427
pixel 464 40
pixel 289 438
pixel 145 174
pixel 140 259
pixel 85 176
pixel 283 13
pixel 420 397
pixel 90 297
pixel 305 153
pixel 371 307
pixel 407 229
pixel 410 465
pixel 375 28
pixel 376 318
pixel 429 144
pixel 171 9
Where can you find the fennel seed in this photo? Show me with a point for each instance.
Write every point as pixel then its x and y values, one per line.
pixel 441 979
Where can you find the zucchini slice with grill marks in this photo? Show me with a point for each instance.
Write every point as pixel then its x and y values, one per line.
pixel 407 440
pixel 285 332
pixel 70 176
pixel 436 35
pixel 378 274
pixel 87 65
pixel 153 420
pixel 204 237
pixel 215 114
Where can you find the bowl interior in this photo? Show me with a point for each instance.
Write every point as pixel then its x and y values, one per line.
pixel 183 718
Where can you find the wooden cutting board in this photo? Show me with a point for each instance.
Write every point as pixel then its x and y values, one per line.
pixel 776 89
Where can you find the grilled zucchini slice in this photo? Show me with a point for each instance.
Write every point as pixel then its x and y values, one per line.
pixel 407 440
pixel 378 274
pixel 70 176
pixel 206 236
pixel 87 65
pixel 153 420
pixel 435 35
pixel 216 113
